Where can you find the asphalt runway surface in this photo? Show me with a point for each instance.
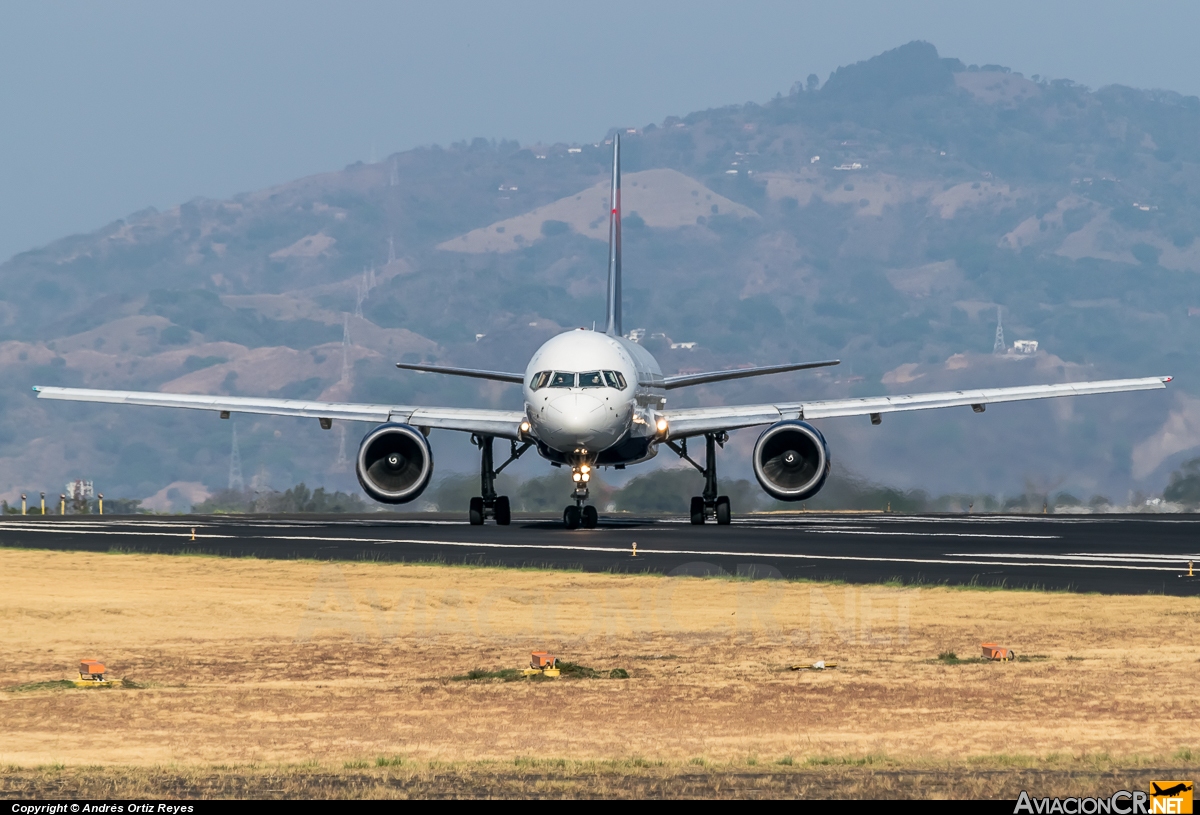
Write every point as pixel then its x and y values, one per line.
pixel 1131 554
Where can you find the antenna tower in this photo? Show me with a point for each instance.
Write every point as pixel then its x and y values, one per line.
pixel 360 294
pixel 346 349
pixel 342 462
pixel 235 465
pixel 999 347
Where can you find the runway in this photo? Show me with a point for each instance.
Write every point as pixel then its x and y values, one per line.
pixel 1131 554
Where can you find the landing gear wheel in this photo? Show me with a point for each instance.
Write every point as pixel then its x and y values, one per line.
pixel 590 517
pixel 571 517
pixel 503 513
pixel 723 516
pixel 476 512
pixel 697 510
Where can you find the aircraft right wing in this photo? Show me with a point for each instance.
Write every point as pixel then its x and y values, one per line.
pixel 697 421
pixel 504 424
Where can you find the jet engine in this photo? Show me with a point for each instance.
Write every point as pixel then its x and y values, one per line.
pixel 791 460
pixel 394 463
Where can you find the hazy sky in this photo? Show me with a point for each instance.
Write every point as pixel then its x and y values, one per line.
pixel 106 108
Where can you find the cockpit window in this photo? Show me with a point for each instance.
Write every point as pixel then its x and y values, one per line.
pixel 591 379
pixel 539 380
pixel 561 379
pixel 614 379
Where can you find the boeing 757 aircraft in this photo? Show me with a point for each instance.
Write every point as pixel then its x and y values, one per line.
pixel 597 399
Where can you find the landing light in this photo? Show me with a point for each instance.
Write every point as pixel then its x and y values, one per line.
pixel 576 476
pixel 585 469
pixel 662 425
pixel 525 426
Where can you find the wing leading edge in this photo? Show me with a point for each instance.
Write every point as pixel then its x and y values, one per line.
pixel 499 423
pixel 696 421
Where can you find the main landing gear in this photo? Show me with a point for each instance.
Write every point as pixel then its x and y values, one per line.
pixel 577 515
pixel 490 505
pixel 708 505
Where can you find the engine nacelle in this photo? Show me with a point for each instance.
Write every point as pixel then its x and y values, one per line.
pixel 791 461
pixel 394 463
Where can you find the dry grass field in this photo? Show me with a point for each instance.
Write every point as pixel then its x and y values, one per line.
pixel 253 677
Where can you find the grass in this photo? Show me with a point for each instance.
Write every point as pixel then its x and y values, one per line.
pixel 55 684
pixel 951 658
pixel 504 675
pixel 280 670
pixel 568 670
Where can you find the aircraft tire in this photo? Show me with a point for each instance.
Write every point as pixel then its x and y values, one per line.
pixel 503 512
pixel 590 517
pixel 697 510
pixel 475 513
pixel 724 516
pixel 571 517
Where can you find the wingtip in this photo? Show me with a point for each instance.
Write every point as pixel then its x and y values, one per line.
pixel 1167 379
pixel 37 388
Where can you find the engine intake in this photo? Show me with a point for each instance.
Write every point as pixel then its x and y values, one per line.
pixel 394 463
pixel 791 461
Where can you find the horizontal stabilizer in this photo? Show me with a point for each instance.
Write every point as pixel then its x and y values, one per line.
pixel 686 380
pixel 498 376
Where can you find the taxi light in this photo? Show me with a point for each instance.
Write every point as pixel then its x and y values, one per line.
pixel 576 476
pixel 586 477
pixel 585 469
pixel 662 425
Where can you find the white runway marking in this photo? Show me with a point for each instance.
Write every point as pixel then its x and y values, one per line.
pixel 1086 556
pixel 708 553
pixel 1125 562
pixel 890 533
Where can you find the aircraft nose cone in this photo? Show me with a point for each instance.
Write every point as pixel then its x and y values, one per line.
pixel 580 420
pixel 577 413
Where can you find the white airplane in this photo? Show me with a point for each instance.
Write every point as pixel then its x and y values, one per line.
pixel 598 399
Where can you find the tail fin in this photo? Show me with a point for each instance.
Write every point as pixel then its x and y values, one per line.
pixel 612 323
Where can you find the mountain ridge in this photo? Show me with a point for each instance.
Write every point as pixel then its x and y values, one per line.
pixel 894 209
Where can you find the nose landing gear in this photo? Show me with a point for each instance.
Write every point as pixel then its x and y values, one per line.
pixel 577 515
pixel 708 505
pixel 490 505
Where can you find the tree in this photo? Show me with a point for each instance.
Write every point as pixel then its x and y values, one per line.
pixel 1184 487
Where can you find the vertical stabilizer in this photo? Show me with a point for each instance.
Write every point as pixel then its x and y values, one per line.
pixel 612 322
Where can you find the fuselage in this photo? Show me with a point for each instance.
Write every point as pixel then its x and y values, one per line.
pixel 591 397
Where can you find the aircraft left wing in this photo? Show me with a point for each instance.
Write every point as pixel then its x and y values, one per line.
pixel 697 421
pixel 499 423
